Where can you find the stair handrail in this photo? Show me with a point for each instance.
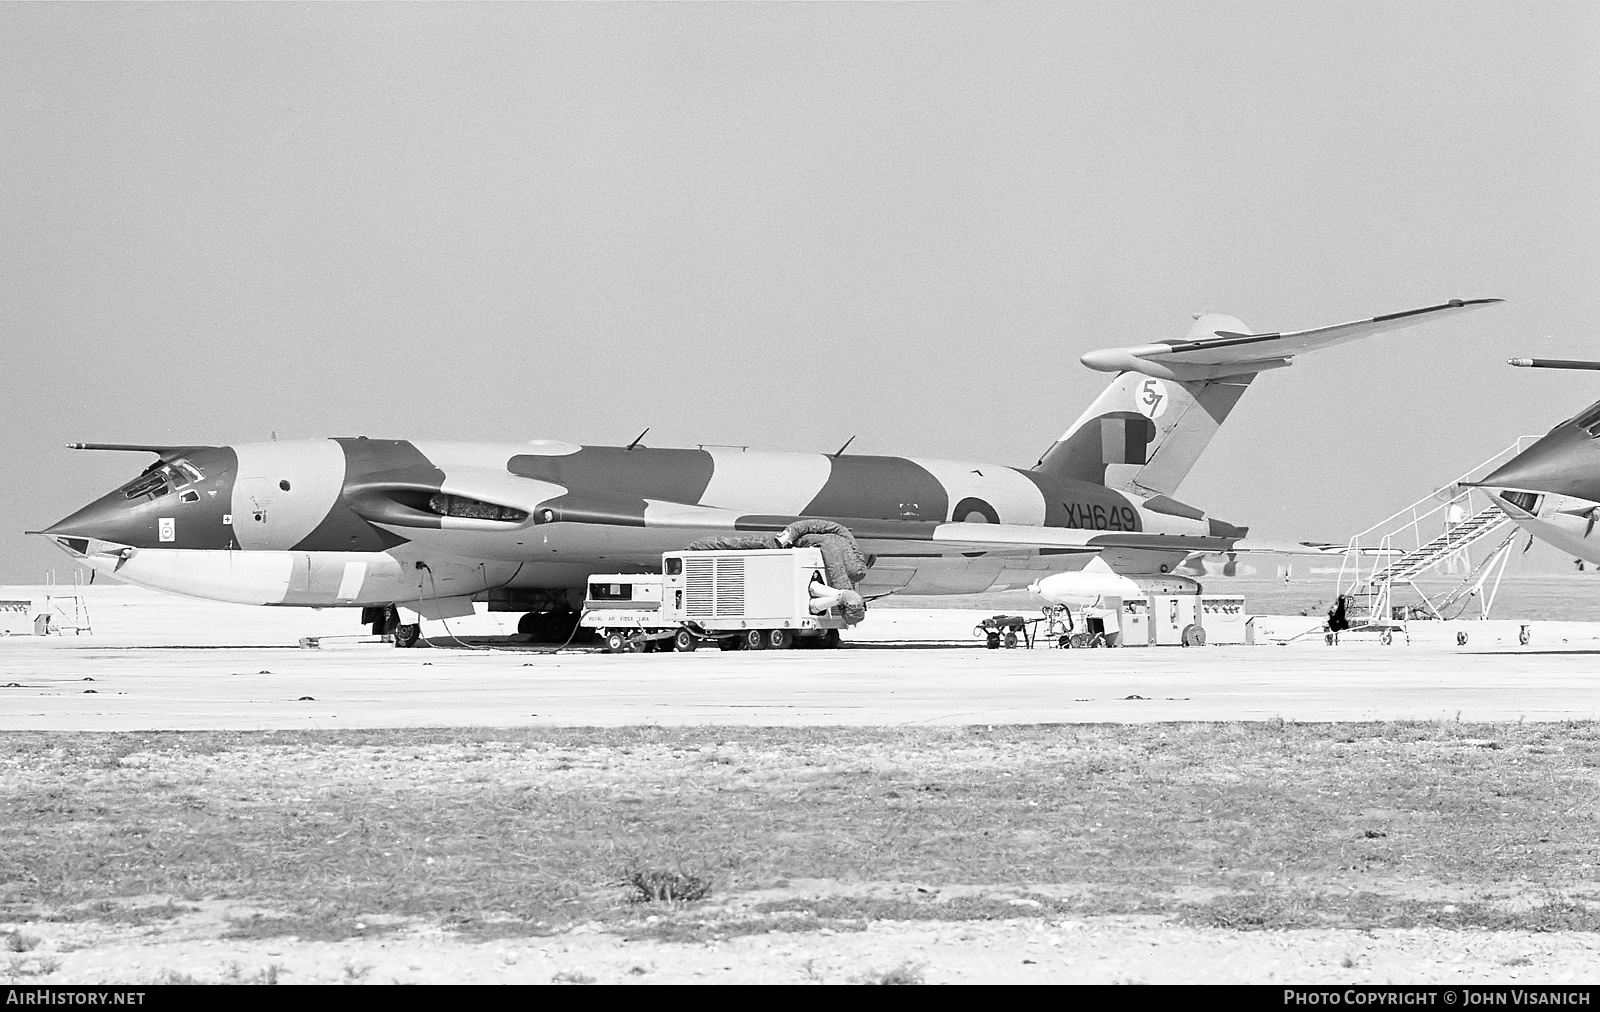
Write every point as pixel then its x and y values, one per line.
pixel 1466 493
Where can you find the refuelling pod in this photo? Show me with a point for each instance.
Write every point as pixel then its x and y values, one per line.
pixel 1089 587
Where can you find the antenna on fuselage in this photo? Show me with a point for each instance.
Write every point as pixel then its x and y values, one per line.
pixel 637 438
pixel 840 451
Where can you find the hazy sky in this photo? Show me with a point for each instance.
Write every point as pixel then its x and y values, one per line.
pixel 781 225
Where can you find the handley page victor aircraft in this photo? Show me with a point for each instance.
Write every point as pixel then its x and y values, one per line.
pixel 429 527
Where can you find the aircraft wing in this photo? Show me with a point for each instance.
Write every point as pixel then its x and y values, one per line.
pixel 952 538
pixel 1228 353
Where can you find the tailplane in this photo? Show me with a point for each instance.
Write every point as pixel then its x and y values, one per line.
pixel 1147 429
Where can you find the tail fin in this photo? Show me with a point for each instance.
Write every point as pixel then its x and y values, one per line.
pixel 1169 398
pixel 1144 431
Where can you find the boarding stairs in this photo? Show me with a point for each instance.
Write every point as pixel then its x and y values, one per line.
pixel 1453 529
pixel 1453 541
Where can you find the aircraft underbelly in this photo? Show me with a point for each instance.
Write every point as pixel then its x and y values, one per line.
pixel 1572 535
pixel 303 579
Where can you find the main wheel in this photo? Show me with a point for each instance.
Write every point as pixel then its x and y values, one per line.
pixel 684 642
pixel 755 639
pixel 407 635
pixel 780 639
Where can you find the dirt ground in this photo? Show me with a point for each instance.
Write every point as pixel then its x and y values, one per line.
pixel 1427 852
pixel 1098 950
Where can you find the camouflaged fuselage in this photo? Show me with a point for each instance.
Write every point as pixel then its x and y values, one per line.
pixel 363 521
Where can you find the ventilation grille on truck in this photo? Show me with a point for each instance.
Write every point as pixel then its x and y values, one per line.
pixel 715 587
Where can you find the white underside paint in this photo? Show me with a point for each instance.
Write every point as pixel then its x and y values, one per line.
pixel 237 577
pixel 310 579
pixel 1571 535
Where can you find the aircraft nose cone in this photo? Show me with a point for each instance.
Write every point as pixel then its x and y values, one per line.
pixel 106 519
pixel 1564 462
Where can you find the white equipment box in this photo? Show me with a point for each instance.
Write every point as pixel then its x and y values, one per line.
pixel 759 597
pixel 1224 620
pixel 1135 630
pixel 16 618
pixel 1162 620
pixel 1170 616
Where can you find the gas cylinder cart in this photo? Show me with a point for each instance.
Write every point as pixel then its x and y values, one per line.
pixel 1007 631
pixel 760 599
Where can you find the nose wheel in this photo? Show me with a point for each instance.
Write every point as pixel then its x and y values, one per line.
pixel 408 635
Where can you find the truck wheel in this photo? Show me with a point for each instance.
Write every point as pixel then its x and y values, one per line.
pixel 615 643
pixel 780 639
pixel 684 642
pixel 407 635
pixel 755 639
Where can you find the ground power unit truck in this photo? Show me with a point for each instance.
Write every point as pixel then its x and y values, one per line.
pixel 766 599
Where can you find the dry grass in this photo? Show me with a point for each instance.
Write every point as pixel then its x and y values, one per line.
pixel 906 973
pixel 661 885
pixel 504 832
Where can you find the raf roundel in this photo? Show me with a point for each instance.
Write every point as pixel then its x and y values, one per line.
pixel 1152 398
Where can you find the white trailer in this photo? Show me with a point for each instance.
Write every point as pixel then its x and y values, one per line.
pixel 752 600
pixel 1185 620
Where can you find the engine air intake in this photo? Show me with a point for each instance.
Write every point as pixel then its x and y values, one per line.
pixel 474 509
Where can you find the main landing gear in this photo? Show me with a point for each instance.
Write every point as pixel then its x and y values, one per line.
pixel 385 623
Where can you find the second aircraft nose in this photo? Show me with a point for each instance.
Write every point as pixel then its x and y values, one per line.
pixel 1566 461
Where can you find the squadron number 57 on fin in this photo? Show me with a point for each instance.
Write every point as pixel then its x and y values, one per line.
pixel 430 527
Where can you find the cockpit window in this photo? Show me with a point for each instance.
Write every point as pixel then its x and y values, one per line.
pixel 160 478
pixel 1589 421
pixel 153 483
